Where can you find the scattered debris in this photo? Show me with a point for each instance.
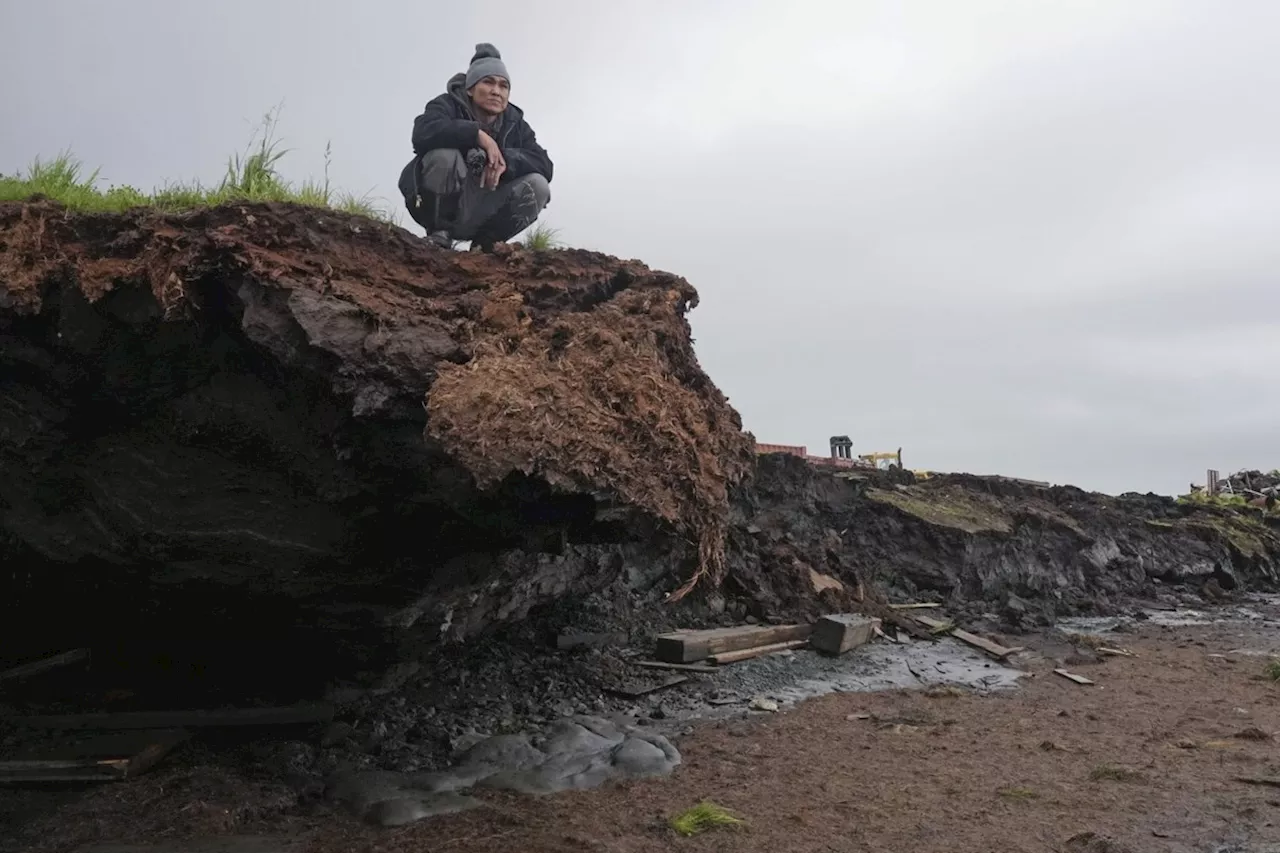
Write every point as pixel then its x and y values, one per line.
pixel 996 650
pixel 691 646
pixel 634 689
pixel 837 634
pixel 703 817
pixel 1251 733
pixel 1259 780
pixel 861 715
pixel 928 605
pixel 761 704
pixel 1071 676
pixel 1122 653
pixel 105 758
pixel 320 712
pixel 879 632
pixel 1186 743
pixel 758 651
pixel 38 666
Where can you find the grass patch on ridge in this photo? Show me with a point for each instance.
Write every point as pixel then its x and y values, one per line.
pixel 253 176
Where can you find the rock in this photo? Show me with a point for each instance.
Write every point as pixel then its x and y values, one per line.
pixel 337 733
pixel 761 704
pixel 1091 842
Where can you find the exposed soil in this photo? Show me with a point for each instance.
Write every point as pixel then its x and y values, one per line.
pixel 1148 757
pixel 261 454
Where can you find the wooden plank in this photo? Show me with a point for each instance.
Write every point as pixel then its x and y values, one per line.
pixel 679 667
pixel 1123 653
pixel 691 646
pixel 633 690
pixel 994 649
pixel 838 633
pixel 321 712
pixel 747 654
pixel 1071 676
pixel 924 605
pixel 36 667
pixel 102 759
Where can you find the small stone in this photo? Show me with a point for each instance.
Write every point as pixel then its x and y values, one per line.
pixel 859 716
pixel 1252 733
pixel 1186 743
pixel 762 704
pixel 751 620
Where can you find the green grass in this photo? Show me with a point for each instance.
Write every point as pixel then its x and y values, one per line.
pixel 253 176
pixel 703 817
pixel 1018 794
pixel 1272 670
pixel 542 238
pixel 1115 773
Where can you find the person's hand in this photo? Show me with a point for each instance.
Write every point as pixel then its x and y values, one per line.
pixel 496 164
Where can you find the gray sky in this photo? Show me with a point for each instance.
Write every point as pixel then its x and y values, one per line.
pixel 1030 237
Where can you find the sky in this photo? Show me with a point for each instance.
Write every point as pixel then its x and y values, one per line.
pixel 1037 238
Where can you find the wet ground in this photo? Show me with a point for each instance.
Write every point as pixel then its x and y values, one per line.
pixel 868 752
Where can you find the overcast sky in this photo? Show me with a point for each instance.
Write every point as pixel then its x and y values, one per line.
pixel 1030 237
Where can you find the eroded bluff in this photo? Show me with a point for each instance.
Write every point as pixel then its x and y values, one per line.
pixel 288 402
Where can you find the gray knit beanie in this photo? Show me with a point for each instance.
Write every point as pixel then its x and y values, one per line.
pixel 487 62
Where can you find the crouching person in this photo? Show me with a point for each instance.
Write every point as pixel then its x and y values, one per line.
pixel 478 172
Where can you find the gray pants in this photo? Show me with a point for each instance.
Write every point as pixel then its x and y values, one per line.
pixel 455 202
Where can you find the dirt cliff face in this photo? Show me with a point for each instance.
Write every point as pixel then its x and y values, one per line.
pixel 321 439
pixel 288 402
pixel 1020 552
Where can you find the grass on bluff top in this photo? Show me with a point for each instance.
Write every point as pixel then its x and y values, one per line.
pixel 542 238
pixel 252 177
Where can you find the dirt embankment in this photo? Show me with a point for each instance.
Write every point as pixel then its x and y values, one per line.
pixel 320 435
pixel 1021 553
pixel 288 401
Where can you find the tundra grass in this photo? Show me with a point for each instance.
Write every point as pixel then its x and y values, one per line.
pixel 703 817
pixel 253 176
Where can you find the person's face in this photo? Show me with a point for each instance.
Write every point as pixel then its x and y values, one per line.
pixel 490 95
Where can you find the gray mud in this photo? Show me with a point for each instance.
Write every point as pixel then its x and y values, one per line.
pixel 576 754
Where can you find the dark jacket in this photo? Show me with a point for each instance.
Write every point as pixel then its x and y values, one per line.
pixel 448 122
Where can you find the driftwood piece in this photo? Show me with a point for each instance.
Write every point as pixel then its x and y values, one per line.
pixel 1071 676
pixel 747 654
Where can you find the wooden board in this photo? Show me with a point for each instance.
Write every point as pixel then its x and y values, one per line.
pixel 994 649
pixel 282 716
pixel 103 759
pixel 839 633
pixel 690 646
pixel 747 654
pixel 39 666
pixel 1071 676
